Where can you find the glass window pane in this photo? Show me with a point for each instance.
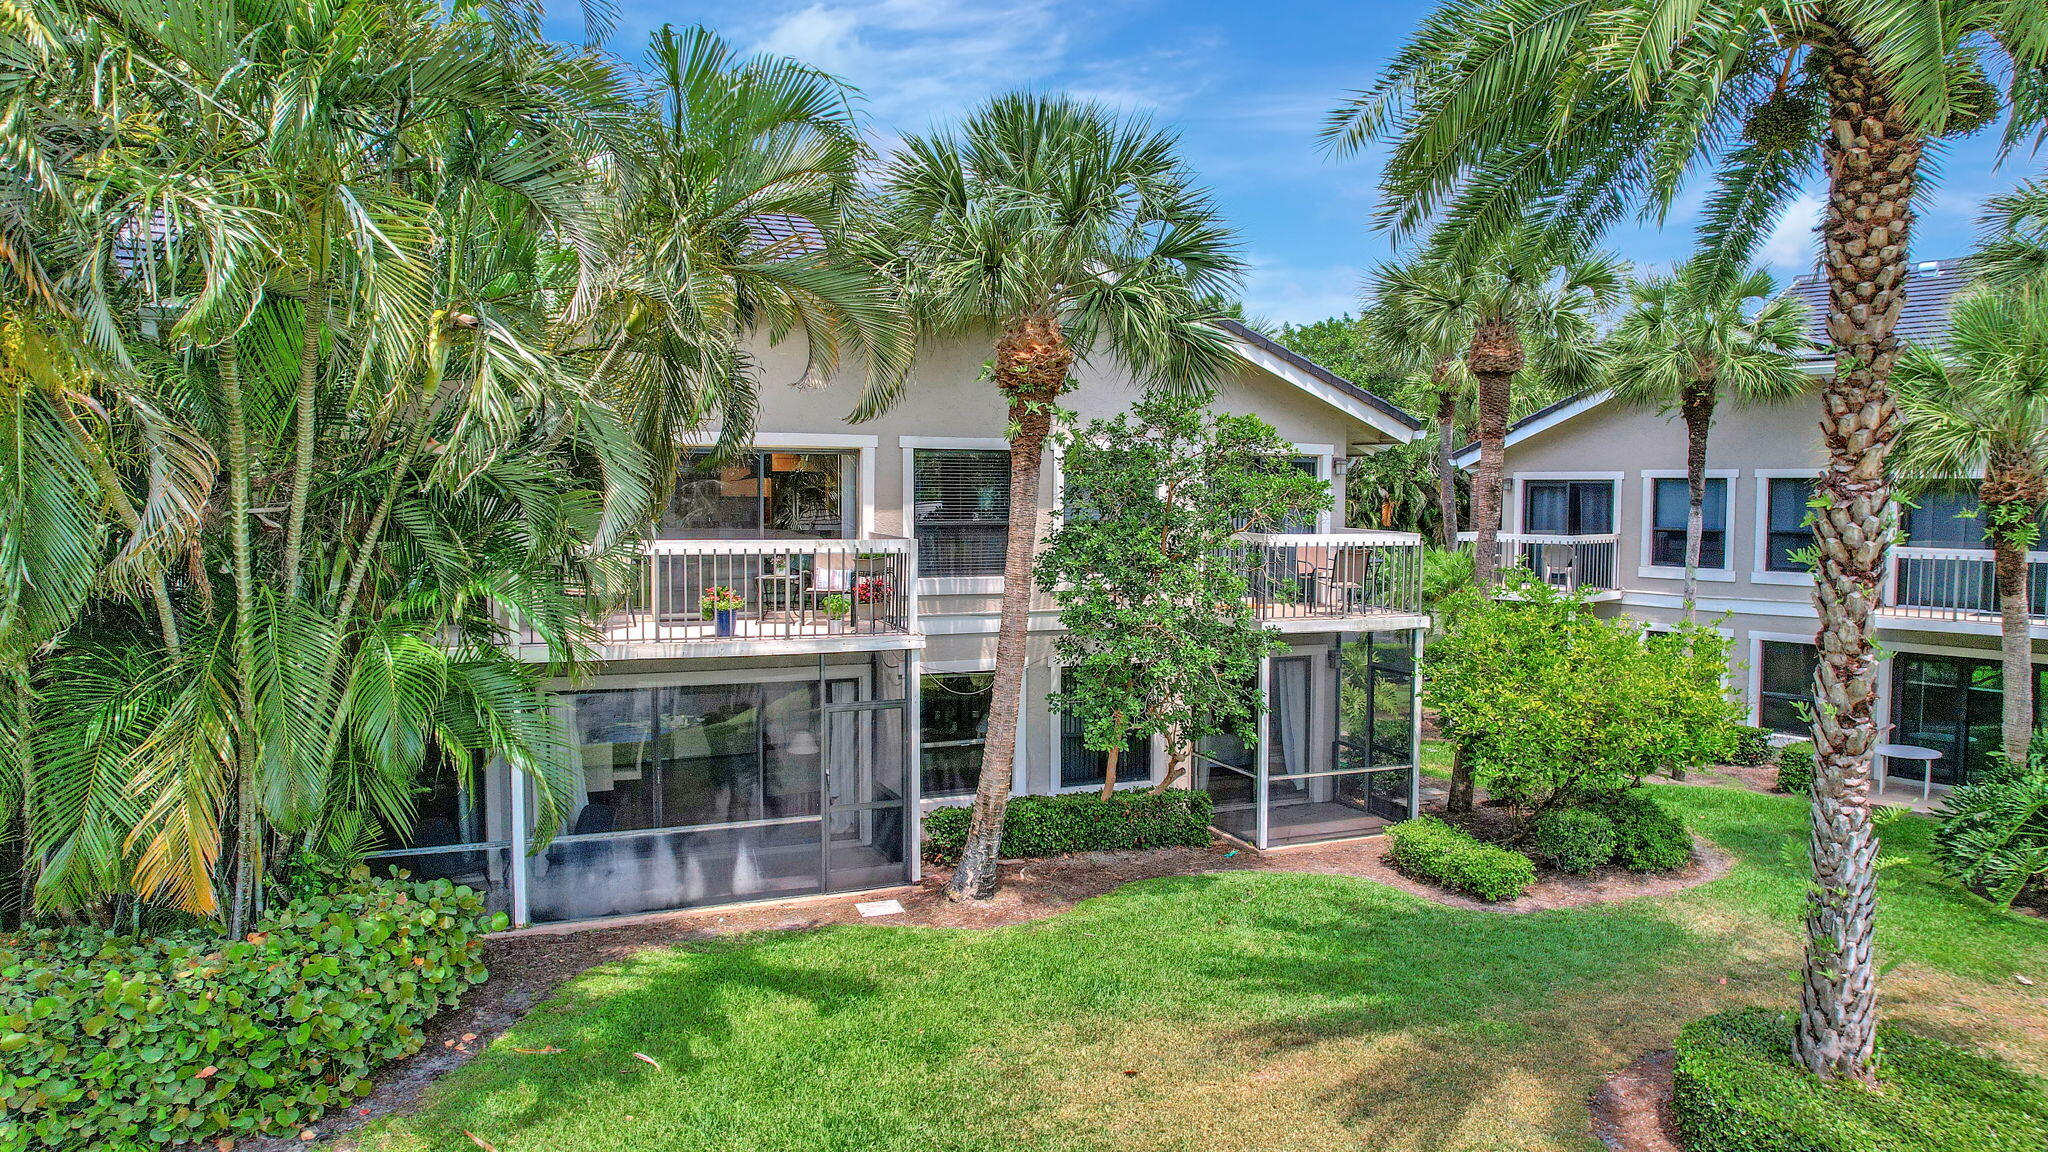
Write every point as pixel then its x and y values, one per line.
pixel 721 502
pixel 1082 766
pixel 962 511
pixel 806 493
pixel 1944 517
pixel 1544 506
pixel 1785 686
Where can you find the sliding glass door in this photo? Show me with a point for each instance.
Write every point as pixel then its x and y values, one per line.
pixel 696 794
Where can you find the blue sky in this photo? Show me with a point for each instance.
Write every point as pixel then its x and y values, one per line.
pixel 1245 84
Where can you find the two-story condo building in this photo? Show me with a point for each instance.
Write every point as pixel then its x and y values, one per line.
pixel 788 743
pixel 1596 496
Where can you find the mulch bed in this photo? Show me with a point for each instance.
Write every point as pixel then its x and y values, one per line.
pixel 526 967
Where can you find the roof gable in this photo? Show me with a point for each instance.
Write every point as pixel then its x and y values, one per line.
pixel 1263 352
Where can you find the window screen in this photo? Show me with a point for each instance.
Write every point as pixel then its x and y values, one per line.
pixel 954 723
pixel 1670 500
pixel 1787 533
pixel 962 512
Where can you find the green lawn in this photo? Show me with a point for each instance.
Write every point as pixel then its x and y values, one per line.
pixel 1257 1010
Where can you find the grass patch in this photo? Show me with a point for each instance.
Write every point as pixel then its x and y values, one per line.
pixel 1269 1010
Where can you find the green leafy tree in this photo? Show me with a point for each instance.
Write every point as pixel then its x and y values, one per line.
pixel 1160 636
pixel 1066 232
pixel 1977 405
pixel 1588 112
pixel 1550 704
pixel 1696 340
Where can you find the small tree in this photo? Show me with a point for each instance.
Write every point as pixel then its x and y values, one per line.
pixel 1549 703
pixel 1160 638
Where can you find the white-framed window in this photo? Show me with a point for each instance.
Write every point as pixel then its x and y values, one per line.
pixel 1782 531
pixel 960 500
pixel 1077 767
pixel 1560 505
pixel 1665 502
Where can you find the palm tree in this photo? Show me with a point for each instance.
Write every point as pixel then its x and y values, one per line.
pixel 1067 233
pixel 1978 405
pixel 1424 308
pixel 1535 290
pixel 1591 110
pixel 387 205
pixel 1694 339
pixel 736 181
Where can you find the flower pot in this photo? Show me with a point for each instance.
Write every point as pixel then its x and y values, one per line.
pixel 722 620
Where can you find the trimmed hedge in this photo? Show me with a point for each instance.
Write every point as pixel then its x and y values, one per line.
pixel 1429 849
pixel 1080 822
pixel 1752 746
pixel 1795 767
pixel 1648 837
pixel 1574 839
pixel 1737 1089
pixel 123 1042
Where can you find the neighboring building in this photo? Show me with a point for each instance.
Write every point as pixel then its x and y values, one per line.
pixel 789 747
pixel 1596 496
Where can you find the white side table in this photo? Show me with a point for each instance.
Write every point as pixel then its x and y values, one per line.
pixel 1926 756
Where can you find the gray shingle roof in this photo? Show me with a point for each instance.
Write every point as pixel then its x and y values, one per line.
pixel 1930 287
pixel 1265 343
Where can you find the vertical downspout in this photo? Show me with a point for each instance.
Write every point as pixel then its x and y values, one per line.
pixel 913 773
pixel 1415 722
pixel 520 839
pixel 1259 757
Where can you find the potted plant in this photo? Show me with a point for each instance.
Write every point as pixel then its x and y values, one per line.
pixel 872 590
pixel 836 606
pixel 718 603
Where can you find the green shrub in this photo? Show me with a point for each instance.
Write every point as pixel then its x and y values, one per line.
pixel 1993 832
pixel 1737 1089
pixel 1429 849
pixel 1648 837
pixel 123 1042
pixel 1795 768
pixel 1752 746
pixel 1574 839
pixel 1080 822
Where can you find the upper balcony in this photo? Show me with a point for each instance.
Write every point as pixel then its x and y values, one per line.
pixel 1956 586
pixel 761 597
pixel 1303 581
pixel 1574 563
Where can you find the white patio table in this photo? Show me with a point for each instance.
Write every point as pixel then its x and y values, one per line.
pixel 1926 756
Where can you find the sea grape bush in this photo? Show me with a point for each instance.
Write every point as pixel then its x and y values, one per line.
pixel 121 1043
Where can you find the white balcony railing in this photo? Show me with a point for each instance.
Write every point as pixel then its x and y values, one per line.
pixel 1955 584
pixel 1570 562
pixel 1297 576
pixel 777 589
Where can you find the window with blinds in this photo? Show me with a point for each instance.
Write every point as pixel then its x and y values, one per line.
pixel 962 510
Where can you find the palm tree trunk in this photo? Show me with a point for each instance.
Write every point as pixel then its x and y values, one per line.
pixel 2011 494
pixel 248 833
pixel 1872 160
pixel 1494 358
pixel 2016 646
pixel 1697 408
pixel 1031 365
pixel 306 404
pixel 1446 431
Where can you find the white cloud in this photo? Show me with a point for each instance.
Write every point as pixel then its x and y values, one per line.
pixel 1286 294
pixel 1791 246
pixel 918 61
